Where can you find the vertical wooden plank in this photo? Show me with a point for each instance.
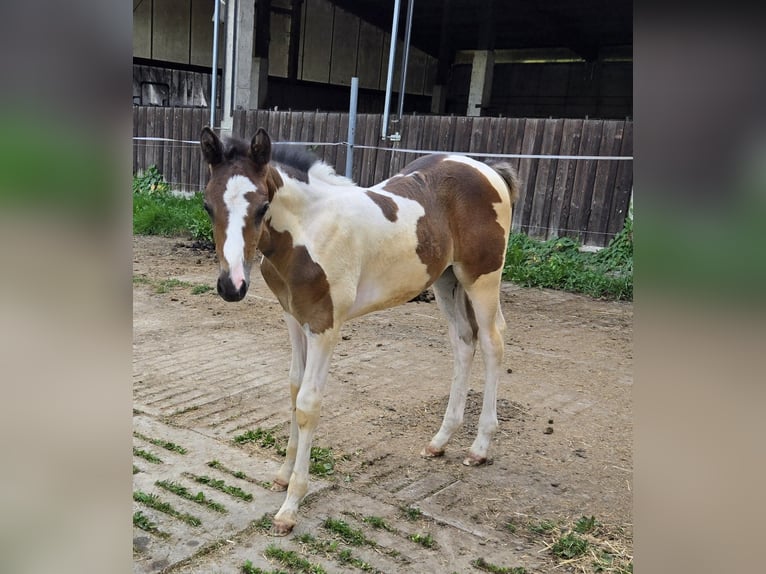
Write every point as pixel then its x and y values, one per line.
pixel 135 142
pixel 513 141
pixel 623 185
pixel 479 134
pixel 278 126
pixel 331 130
pixel 197 179
pixel 369 138
pixel 159 130
pixel 546 170
pixel 320 135
pixel 462 139
pixel 564 178
pixel 307 130
pixel 603 185
pixel 585 174
pixel 182 178
pixel 341 151
pixel 496 135
pixel 446 135
pixel 531 144
pixel 141 163
pixel 175 170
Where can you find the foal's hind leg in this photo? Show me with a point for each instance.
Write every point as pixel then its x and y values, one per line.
pixel 453 301
pixel 484 294
pixel 297 368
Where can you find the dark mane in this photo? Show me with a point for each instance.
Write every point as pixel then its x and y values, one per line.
pixel 297 159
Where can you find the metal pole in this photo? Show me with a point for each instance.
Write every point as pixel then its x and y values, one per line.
pixel 215 62
pixel 390 77
pixel 405 57
pixel 352 126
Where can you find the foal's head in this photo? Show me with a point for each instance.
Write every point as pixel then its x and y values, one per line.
pixel 237 197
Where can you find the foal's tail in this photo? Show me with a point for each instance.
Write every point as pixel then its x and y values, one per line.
pixel 511 178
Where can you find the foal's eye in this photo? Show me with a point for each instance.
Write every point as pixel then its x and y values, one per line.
pixel 260 213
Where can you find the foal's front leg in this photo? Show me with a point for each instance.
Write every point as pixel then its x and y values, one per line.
pixel 307 407
pixel 297 368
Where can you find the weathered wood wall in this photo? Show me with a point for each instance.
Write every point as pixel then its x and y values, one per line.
pixel 584 199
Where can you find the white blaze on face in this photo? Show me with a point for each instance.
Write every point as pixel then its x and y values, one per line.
pixel 234 246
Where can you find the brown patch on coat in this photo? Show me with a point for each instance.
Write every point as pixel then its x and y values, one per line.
pixel 386 204
pixel 460 219
pixel 298 281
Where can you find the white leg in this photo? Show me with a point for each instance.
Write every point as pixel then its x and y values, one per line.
pixel 484 295
pixel 307 407
pixel 451 298
pixel 297 368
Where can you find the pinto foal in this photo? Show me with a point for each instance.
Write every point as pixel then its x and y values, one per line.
pixel 333 251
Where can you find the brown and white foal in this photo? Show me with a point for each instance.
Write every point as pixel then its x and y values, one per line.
pixel 333 251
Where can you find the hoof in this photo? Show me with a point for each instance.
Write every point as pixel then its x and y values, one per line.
pixel 431 452
pixel 473 460
pixel 282 527
pixel 278 486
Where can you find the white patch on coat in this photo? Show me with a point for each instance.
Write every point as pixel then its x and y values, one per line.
pixel 234 246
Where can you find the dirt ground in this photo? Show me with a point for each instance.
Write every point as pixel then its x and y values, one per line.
pixel 213 370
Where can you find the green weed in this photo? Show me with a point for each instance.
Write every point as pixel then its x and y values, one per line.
pixel 379 523
pixel 412 513
pixel 482 564
pixel 585 524
pixel 140 520
pixel 165 285
pixel 569 546
pixel 424 540
pixel 234 491
pixel 248 568
pixel 156 211
pixel 147 456
pixel 152 501
pixel 162 443
pixel 322 461
pixel 292 560
pixel 348 534
pixel 184 492
pixel 136 470
pixel 200 289
pixel 263 524
pixel 263 438
pixel 558 264
pixel 542 527
pixel 235 473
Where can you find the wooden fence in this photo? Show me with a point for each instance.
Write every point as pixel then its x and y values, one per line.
pixel 584 199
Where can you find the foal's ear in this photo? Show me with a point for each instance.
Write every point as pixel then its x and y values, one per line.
pixel 260 148
pixel 212 148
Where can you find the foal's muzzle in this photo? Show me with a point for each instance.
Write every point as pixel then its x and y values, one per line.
pixel 228 291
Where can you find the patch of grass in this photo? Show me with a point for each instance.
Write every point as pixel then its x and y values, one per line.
pixel 198 498
pixel 347 533
pixel 156 211
pixel 263 438
pixel 585 524
pixel 424 540
pixel 165 285
pixel 218 484
pixel 558 264
pixel 235 473
pixel 379 523
pixel 136 470
pixel 152 501
pixel 347 557
pixel 140 520
pixel 292 560
pixel 412 513
pixel 542 527
pixel 248 568
pixel 167 445
pixel 200 289
pixel 141 280
pixel 322 461
pixel 263 524
pixel 482 564
pixel 146 455
pixel 569 546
